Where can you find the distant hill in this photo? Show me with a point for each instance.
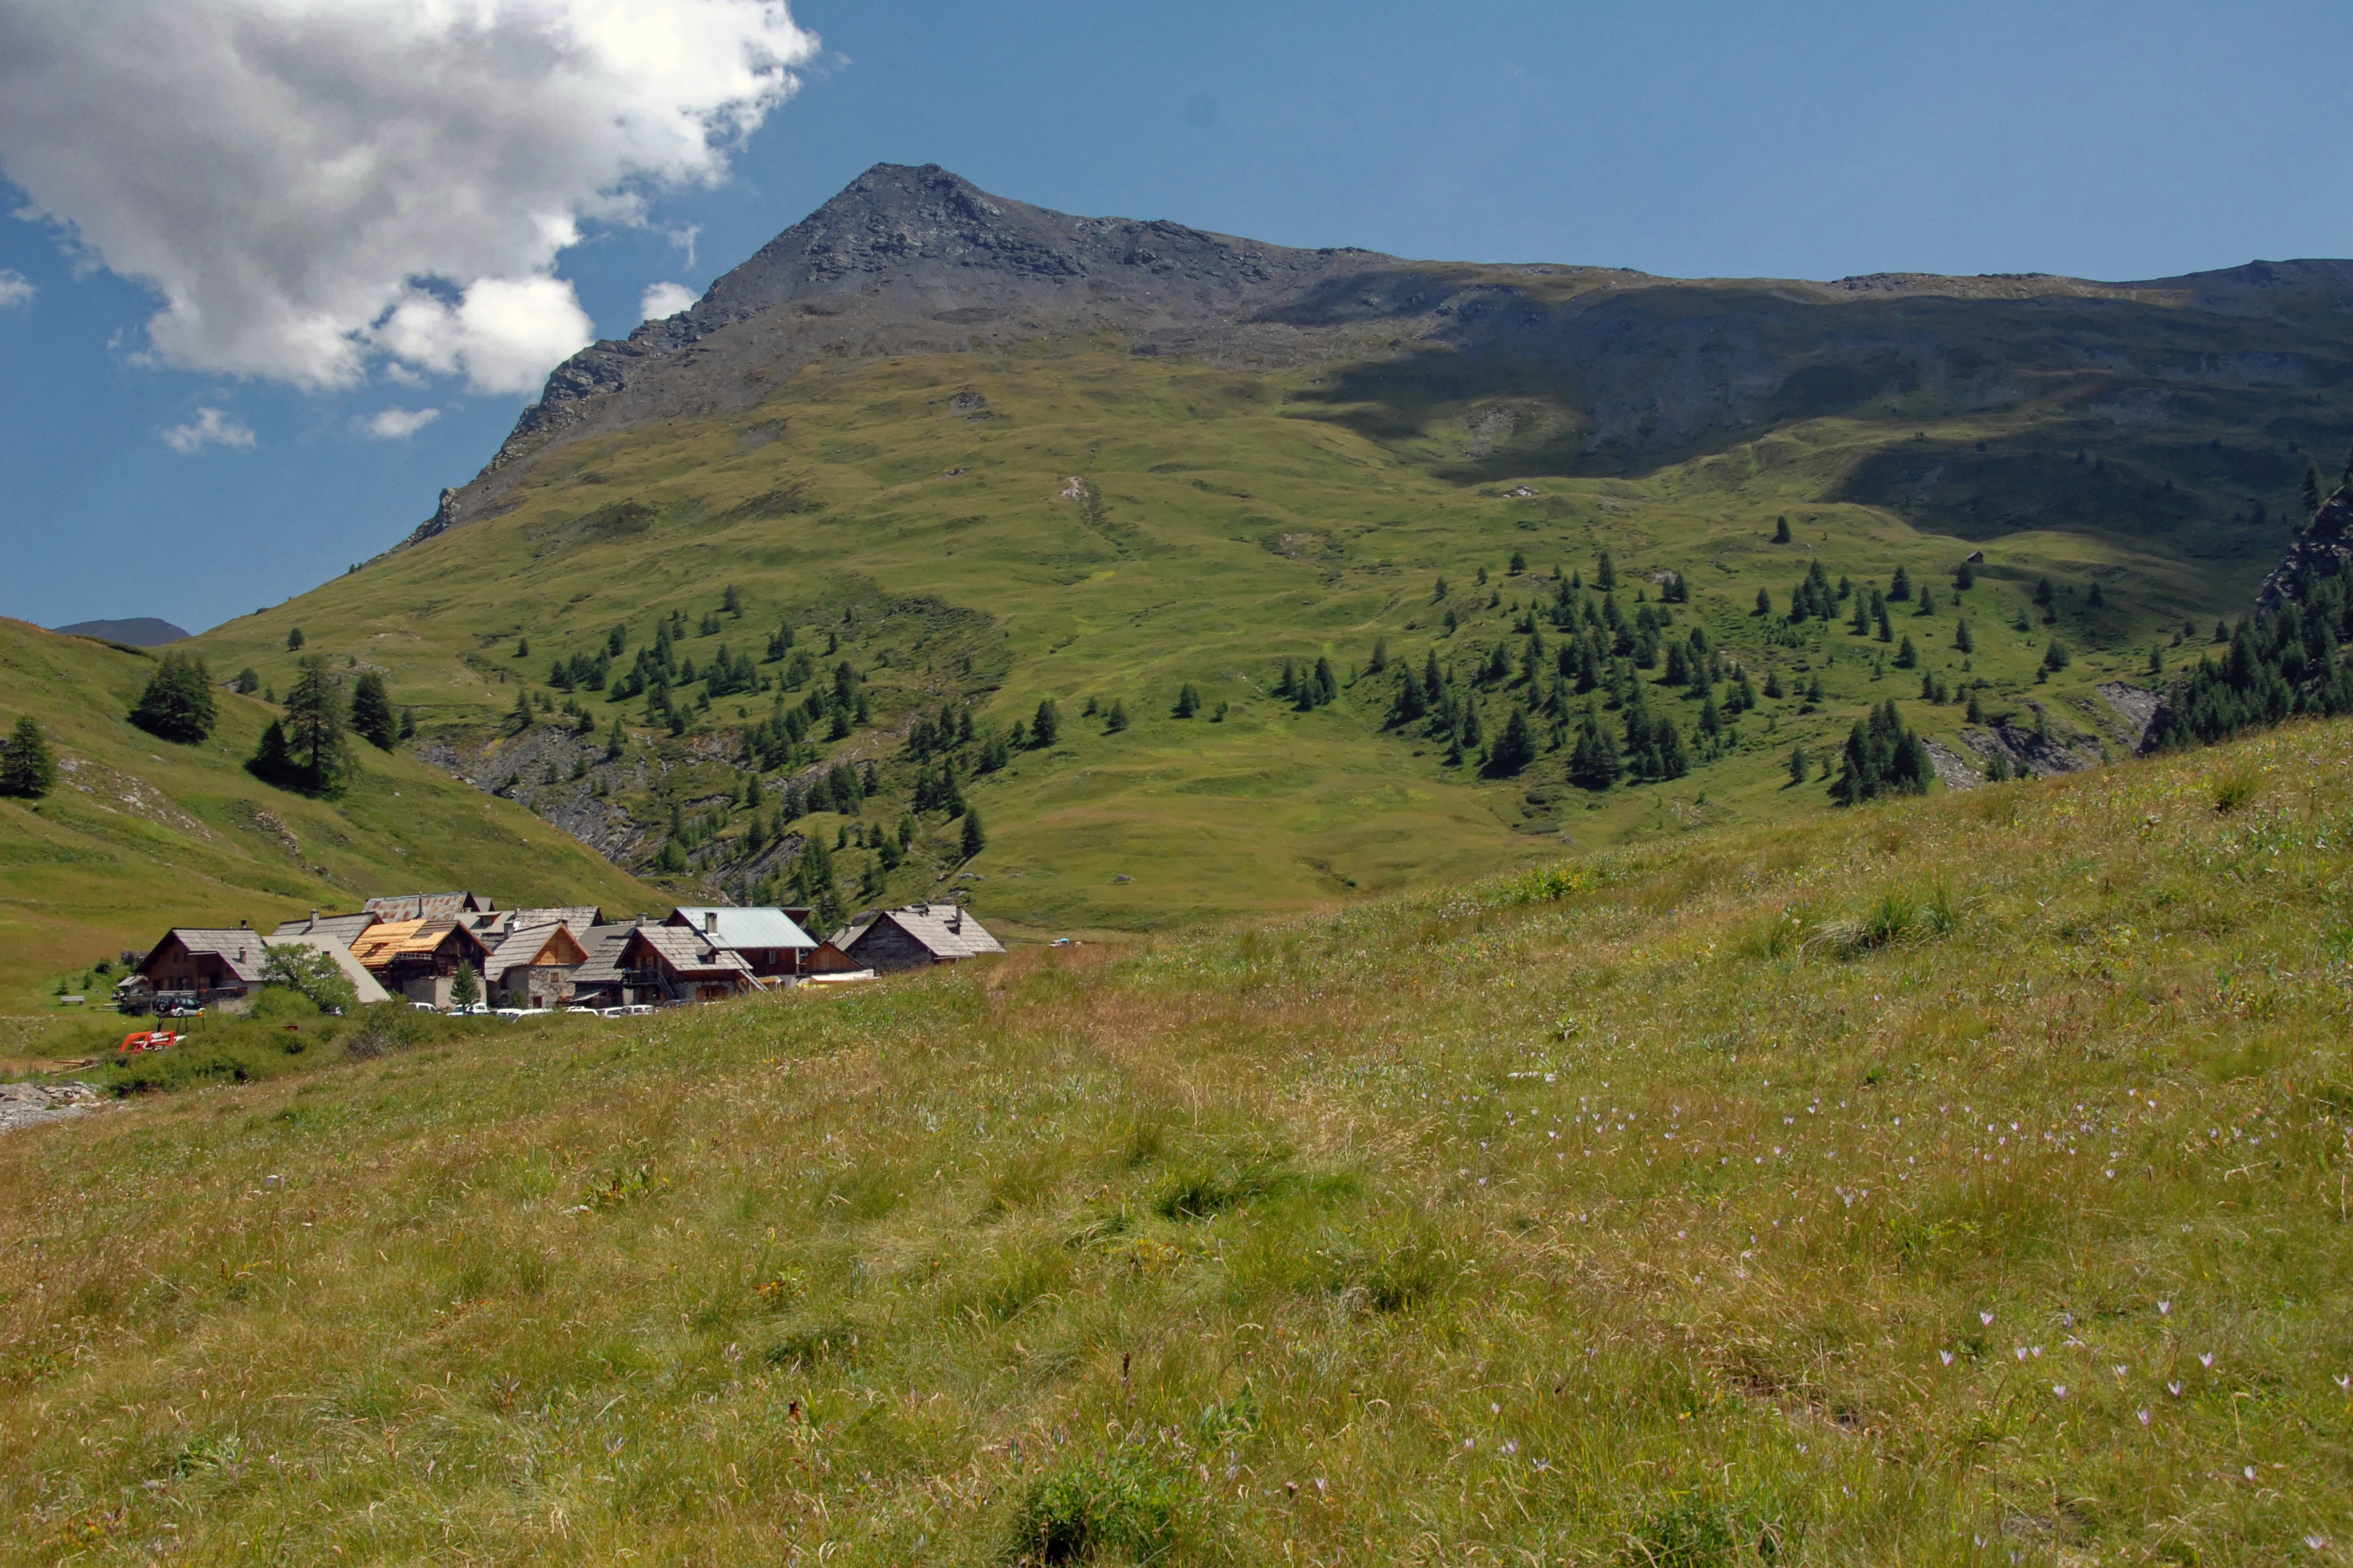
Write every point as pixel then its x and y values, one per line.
pixel 143 631
pixel 986 454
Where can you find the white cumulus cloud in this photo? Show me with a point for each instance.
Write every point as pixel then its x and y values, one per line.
pixel 398 423
pixel 17 290
pixel 210 427
pixel 315 186
pixel 666 299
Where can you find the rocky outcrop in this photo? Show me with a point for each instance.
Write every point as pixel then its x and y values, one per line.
pixel 2323 550
pixel 30 1104
pixel 2043 755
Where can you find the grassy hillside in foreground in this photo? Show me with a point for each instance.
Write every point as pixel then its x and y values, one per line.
pixel 1957 1181
pixel 141 834
pixel 1071 520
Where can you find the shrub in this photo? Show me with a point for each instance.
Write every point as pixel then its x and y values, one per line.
pixel 1121 1506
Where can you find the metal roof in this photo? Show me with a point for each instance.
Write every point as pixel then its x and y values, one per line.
pixel 741 926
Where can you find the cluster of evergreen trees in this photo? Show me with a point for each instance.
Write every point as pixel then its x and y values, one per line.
pixel 1307 689
pixel 1882 757
pixel 2277 665
pixel 177 703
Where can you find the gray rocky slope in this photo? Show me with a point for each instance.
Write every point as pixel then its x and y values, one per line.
pixel 917 260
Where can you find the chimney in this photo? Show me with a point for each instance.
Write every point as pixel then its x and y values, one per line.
pixel 711 923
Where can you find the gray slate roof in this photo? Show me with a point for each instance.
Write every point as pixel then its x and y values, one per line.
pixel 340 929
pixel 604 944
pixel 742 927
pixel 363 982
pixel 426 906
pixel 239 948
pixel 685 952
pixel 944 929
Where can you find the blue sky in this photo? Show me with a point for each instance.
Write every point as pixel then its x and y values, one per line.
pixel 2108 141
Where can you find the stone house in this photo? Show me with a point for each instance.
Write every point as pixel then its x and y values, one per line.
pixel 907 938
pixel 533 966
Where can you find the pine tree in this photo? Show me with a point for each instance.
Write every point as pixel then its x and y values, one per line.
pixel 294 639
pixel 465 986
pixel 1907 656
pixel 27 772
pixel 2057 657
pixel 1764 602
pixel 1773 684
pixel 1188 701
pixel 2094 599
pixel 1046 725
pixel 975 838
pixel 1781 531
pixel 1515 748
pixel 1928 600
pixel 1116 720
pixel 1861 617
pixel 311 738
pixel 1327 684
pixel 523 718
pixel 408 723
pixel 1519 562
pixel 2310 490
pixel 1799 762
pixel 177 704
pixel 372 716
pixel 1605 574
pixel 1886 628
pixel 1976 715
pixel 1380 660
pixel 1594 763
pixel 1964 579
pixel 1899 587
pixel 270 760
pixel 1961 638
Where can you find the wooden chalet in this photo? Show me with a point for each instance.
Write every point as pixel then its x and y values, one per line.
pixel 202 966
pixel 533 966
pixel 907 938
pixel 673 963
pixel 419 959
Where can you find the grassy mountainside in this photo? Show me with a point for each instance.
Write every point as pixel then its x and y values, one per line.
pixel 1955 1181
pixel 141 834
pixel 1069 519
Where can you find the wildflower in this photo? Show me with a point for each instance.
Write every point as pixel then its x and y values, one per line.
pixel 1986 1318
pixel 2345 1382
pixel 2251 1472
pixel 2163 1307
pixel 2060 1389
pixel 2144 1417
pixel 1948 1355
pixel 2174 1389
pixel 2206 1358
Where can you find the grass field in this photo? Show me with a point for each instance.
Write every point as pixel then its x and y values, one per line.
pixel 142 834
pixel 1954 1181
pixel 1070 521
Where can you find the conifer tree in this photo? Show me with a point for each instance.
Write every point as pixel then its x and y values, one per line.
pixel 1928 601
pixel 1380 660
pixel 1594 763
pixel 465 986
pixel 177 704
pixel 1961 638
pixel 1886 628
pixel 1046 725
pixel 1519 562
pixel 1116 720
pixel 1514 749
pixel 1773 683
pixel 1882 757
pixel 975 838
pixel 294 639
pixel 1781 531
pixel 2094 599
pixel 1907 656
pixel 1188 701
pixel 2310 490
pixel 1799 762
pixel 27 772
pixel 307 749
pixel 1605 573
pixel 372 716
pixel 1899 587
pixel 523 718
pixel 1764 602
pixel 1964 579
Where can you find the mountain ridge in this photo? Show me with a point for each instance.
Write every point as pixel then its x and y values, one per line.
pixel 919 260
